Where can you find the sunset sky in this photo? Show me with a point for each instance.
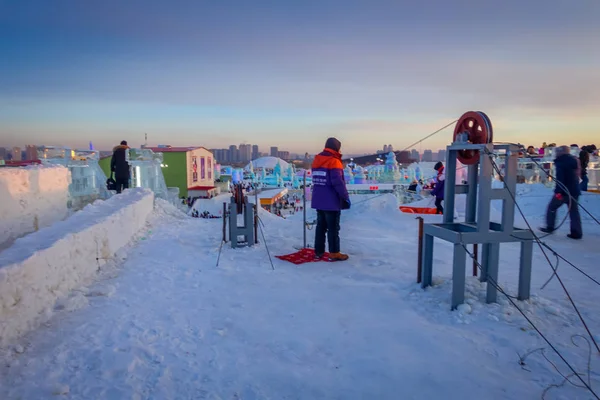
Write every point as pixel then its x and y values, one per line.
pixel 291 73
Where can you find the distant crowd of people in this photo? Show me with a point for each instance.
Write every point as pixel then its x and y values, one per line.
pixel 532 151
pixel 288 203
pixel 204 214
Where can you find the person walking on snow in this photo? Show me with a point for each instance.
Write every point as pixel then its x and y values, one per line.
pixel 120 167
pixel 438 190
pixel 567 191
pixel 330 196
pixel 584 160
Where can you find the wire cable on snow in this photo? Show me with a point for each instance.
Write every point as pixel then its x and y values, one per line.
pixel 512 301
pixel 219 256
pixel 539 242
pixel 566 378
pixel 570 263
pixel 370 198
pixel 266 246
pixel 554 269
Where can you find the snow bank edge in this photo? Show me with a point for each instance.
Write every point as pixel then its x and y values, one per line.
pixel 30 286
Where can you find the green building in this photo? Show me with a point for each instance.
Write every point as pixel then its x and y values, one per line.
pixel 191 169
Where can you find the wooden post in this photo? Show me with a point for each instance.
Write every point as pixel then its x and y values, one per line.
pixel 225 222
pixel 475 258
pixel 420 250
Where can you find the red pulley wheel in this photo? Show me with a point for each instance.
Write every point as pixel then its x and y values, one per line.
pixel 479 128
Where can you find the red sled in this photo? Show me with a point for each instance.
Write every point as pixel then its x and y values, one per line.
pixel 303 256
pixel 418 210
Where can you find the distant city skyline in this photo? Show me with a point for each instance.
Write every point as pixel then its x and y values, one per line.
pixel 295 73
pixel 139 143
pixel 244 152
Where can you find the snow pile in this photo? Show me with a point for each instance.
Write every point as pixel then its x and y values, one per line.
pixel 214 206
pixel 165 209
pixel 386 204
pixel 32 198
pixel 46 265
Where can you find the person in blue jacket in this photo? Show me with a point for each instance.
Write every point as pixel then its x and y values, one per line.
pixel 329 197
pixel 567 191
pixel 438 190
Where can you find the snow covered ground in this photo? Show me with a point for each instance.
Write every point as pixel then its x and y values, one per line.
pixel 166 323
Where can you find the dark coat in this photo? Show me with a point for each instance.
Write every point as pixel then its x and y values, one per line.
pixel 584 158
pixel 567 168
pixel 119 164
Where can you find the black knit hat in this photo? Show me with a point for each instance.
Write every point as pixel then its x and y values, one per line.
pixel 124 142
pixel 438 166
pixel 333 144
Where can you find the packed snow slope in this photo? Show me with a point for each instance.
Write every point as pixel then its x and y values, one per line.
pixel 167 323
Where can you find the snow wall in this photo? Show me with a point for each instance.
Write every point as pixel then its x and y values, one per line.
pixel 32 198
pixel 46 265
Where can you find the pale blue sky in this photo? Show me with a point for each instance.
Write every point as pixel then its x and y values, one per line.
pixel 291 73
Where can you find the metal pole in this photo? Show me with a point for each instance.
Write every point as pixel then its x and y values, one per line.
pixel 420 250
pixel 256 194
pixel 225 222
pixel 304 206
pixel 475 258
pixel 255 224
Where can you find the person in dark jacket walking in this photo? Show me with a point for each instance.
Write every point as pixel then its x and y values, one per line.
pixel 330 196
pixel 120 167
pixel 584 160
pixel 567 191
pixel 438 190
